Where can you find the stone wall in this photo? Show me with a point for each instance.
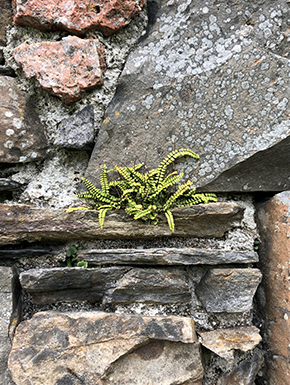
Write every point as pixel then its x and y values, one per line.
pixel 91 83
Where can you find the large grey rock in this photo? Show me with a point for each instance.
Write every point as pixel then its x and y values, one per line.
pixel 9 317
pixel 165 256
pixel 228 290
pixel 107 285
pixel 211 78
pixel 26 223
pixel 78 131
pixel 22 137
pixel 104 349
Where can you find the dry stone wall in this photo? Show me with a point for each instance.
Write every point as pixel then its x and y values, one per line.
pixel 87 83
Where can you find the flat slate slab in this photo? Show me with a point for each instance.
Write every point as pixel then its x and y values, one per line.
pixel 95 348
pixel 165 256
pixel 107 285
pixel 25 223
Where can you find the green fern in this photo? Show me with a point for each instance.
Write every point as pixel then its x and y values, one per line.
pixel 144 195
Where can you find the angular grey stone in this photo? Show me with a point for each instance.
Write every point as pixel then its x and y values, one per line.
pixel 228 290
pixel 22 137
pixel 205 79
pixel 78 131
pixel 96 348
pixel 109 285
pixel 165 256
pixel 8 184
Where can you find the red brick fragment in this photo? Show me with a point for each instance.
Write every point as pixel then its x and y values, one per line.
pixel 66 68
pixel 77 16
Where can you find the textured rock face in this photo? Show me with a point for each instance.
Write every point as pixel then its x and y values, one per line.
pixel 22 136
pixel 5 19
pixel 107 285
pixel 95 348
pixel 67 68
pixel 224 341
pixel 26 223
pixel 274 224
pixel 78 131
pixel 76 16
pixel 228 290
pixel 213 79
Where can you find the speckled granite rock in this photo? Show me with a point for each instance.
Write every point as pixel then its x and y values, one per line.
pixel 223 342
pixel 67 68
pixel 77 17
pixel 78 131
pixel 22 136
pixel 6 15
pixel 101 348
pixel 27 223
pixel 107 285
pixel 212 78
pixel 274 224
pixel 228 290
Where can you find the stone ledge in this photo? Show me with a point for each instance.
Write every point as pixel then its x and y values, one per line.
pixel 26 223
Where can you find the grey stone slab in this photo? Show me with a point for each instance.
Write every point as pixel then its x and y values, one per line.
pixel 78 131
pixel 213 79
pixel 20 253
pixel 107 285
pixel 228 290
pixel 8 185
pixel 165 256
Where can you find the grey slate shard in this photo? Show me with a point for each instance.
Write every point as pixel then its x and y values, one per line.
pixel 78 131
pixel 213 79
pixel 228 290
pixel 8 185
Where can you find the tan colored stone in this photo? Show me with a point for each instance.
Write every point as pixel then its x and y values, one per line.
pixel 26 223
pixel 223 342
pixel 66 68
pixel 77 16
pixel 22 136
pixel 89 347
pixel 274 227
pixel 5 19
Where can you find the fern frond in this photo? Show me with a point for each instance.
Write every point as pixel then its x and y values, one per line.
pixel 97 194
pixel 102 213
pixel 181 190
pixel 71 209
pixel 104 180
pixel 170 220
pixel 196 199
pixel 85 195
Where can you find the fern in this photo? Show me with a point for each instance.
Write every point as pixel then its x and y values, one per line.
pixel 144 195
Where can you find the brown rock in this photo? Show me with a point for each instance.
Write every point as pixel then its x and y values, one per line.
pixel 22 136
pixel 77 17
pixel 109 285
pixel 228 290
pixel 274 224
pixel 23 222
pixel 223 342
pixel 5 19
pixel 66 68
pixel 89 348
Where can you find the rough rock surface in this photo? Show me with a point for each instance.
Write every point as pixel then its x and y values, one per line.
pixel 78 131
pixel 22 136
pixel 26 223
pixel 213 78
pixel 6 15
pixel 244 373
pixel 223 342
pixel 77 17
pixel 93 348
pixel 165 256
pixel 67 68
pixel 228 290
pixel 274 223
pixel 107 285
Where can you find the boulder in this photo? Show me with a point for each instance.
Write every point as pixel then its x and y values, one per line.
pixel 78 17
pixel 95 348
pixel 228 290
pixel 66 68
pixel 27 223
pixel 212 78
pixel 22 137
